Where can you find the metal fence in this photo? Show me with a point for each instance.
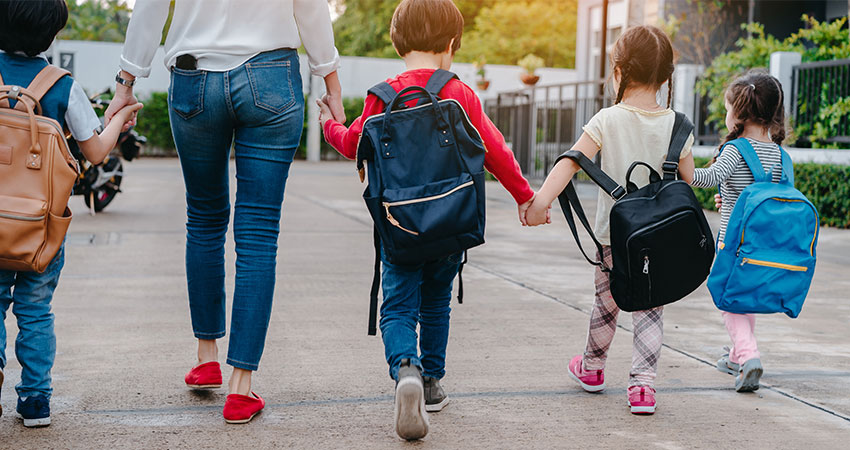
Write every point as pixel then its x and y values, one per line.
pixel 540 123
pixel 817 85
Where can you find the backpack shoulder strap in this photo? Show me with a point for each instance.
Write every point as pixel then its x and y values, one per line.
pixel 682 129
pixel 439 80
pixel 787 168
pixel 45 80
pixel 751 158
pixel 383 91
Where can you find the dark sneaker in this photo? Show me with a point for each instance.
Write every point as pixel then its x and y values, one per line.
pixel 1 391
pixel 411 420
pixel 35 410
pixel 748 378
pixel 435 397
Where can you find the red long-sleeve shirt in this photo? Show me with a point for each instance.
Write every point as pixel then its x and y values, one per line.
pixel 499 159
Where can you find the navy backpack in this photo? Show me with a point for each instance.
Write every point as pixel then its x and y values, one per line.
pixel 766 262
pixel 425 164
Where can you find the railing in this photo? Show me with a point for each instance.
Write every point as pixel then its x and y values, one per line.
pixel 540 123
pixel 816 85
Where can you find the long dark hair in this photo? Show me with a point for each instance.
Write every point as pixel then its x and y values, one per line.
pixel 644 56
pixel 756 97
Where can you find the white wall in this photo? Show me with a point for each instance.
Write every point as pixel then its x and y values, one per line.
pixel 95 65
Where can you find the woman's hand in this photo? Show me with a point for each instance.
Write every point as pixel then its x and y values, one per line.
pixel 718 202
pixel 123 97
pixel 333 97
pixel 325 113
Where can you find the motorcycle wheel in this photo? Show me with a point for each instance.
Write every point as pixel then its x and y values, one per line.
pixel 104 195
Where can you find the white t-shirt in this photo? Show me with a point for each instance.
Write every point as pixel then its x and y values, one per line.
pixel 625 134
pixel 223 34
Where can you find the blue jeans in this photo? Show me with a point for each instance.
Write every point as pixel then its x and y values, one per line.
pixel 418 295
pixel 29 294
pixel 258 108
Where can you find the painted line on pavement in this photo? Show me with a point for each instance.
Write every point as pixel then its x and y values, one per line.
pixel 669 347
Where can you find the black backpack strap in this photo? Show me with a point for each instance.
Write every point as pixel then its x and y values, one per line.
pixel 595 173
pixel 376 284
pixel 569 201
pixel 682 129
pixel 439 79
pixel 384 92
pixel 460 279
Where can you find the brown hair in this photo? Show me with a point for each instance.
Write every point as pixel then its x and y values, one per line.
pixel 426 26
pixel 756 97
pixel 644 56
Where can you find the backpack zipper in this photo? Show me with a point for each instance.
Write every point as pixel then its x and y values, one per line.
pixel 395 222
pixel 26 218
pixel 775 265
pixel 817 225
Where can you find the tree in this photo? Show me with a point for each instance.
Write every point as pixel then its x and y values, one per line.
pixel 506 31
pixel 703 29
pixel 501 31
pixel 97 20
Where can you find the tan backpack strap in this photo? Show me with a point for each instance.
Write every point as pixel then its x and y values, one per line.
pixel 45 80
pixel 5 102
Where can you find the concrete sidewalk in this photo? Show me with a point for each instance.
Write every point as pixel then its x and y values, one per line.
pixel 125 342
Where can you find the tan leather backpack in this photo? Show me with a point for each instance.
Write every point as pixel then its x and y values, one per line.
pixel 37 174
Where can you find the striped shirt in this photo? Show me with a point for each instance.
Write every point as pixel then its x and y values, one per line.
pixel 732 174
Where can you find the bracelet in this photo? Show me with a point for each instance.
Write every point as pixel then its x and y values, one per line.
pixel 122 81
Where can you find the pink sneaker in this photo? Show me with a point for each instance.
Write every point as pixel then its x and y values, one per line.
pixel 590 380
pixel 642 399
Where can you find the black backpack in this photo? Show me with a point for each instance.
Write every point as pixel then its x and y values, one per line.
pixel 661 243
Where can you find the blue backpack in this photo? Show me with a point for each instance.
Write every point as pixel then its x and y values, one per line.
pixel 425 165
pixel 767 261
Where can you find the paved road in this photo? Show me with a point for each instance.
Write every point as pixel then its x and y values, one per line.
pixel 125 342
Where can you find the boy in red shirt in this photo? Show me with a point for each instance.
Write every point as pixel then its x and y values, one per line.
pixel 426 34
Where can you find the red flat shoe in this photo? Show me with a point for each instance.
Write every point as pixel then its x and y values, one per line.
pixel 204 376
pixel 240 408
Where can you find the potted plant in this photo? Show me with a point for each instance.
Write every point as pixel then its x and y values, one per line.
pixel 530 63
pixel 482 82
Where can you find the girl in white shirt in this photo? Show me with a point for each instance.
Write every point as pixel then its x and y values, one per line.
pixel 636 128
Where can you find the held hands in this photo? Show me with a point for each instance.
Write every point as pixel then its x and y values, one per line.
pixel 123 97
pixel 127 114
pixel 325 113
pixel 534 212
pixel 717 201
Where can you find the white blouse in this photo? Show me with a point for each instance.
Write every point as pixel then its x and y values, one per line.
pixel 223 34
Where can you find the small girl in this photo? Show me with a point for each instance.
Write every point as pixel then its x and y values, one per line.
pixel 753 111
pixel 636 128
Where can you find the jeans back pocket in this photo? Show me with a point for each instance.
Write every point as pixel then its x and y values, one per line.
pixel 271 85
pixel 187 92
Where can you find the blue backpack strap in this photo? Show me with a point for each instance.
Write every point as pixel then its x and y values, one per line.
pixel 751 158
pixel 383 91
pixel 787 168
pixel 439 79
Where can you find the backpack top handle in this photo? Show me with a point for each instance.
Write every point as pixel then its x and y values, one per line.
pixel 445 133
pixel 38 87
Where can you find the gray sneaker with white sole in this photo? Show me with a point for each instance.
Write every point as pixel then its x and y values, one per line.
pixel 435 397
pixel 411 419
pixel 748 378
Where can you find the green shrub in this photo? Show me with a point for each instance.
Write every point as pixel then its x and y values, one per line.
pixel 154 124
pixel 827 186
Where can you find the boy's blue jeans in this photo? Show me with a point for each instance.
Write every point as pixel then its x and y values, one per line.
pixel 420 295
pixel 29 294
pixel 258 108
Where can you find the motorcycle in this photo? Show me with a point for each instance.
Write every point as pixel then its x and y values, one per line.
pixel 100 183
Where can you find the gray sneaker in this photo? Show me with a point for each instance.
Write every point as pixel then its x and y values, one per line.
pixel 748 378
pixel 411 419
pixel 435 397
pixel 727 366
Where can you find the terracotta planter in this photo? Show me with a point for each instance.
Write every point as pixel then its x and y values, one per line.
pixel 529 79
pixel 483 85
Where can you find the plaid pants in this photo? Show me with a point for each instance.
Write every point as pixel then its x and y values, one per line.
pixel 648 332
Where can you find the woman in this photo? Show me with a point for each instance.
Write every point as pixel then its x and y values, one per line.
pixel 235 80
